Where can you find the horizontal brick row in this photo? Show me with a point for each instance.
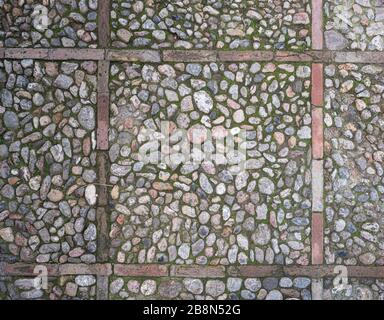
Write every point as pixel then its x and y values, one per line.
pixel 191 271
pixel 190 55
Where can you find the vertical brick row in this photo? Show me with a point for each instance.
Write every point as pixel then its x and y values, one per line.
pixel 317 100
pixel 102 146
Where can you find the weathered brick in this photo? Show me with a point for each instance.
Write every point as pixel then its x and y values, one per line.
pixel 25 269
pixel 317 24
pixel 103 23
pixel 245 55
pixel 317 238
pixel 366 272
pixel 76 54
pixel 140 270
pixel 133 55
pixel 26 53
pixel 290 56
pixel 317 84
pixel 102 287
pixel 102 234
pixel 317 185
pixel 317 289
pixel 359 57
pixel 201 271
pixel 103 67
pixel 190 55
pixel 317 133
pixel 255 271
pixel 73 269
pixel 321 56
pixel 102 121
pixel 308 271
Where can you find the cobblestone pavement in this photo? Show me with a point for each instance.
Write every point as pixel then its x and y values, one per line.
pixel 192 149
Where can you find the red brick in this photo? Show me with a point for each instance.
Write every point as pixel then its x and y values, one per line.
pixel 102 121
pixel 317 84
pixel 140 270
pixel 317 133
pixel 317 238
pixel 245 55
pixel 198 271
pixel 317 24
pixel 190 55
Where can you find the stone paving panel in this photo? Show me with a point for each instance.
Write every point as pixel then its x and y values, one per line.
pixel 209 289
pixel 209 24
pixel 47 161
pixel 80 287
pixel 354 153
pixel 354 24
pixel 357 289
pixel 186 213
pixel 47 23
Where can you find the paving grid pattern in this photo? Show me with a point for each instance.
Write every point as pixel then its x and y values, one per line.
pixel 91 267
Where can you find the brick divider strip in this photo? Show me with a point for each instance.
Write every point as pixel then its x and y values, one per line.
pixel 54 54
pixel 102 208
pixel 103 27
pixel 26 269
pixel 141 270
pixel 256 271
pixel 102 217
pixel 359 57
pixel 317 92
pixel 102 287
pixel 190 55
pixel 317 289
pixel 293 56
pixel 317 238
pixel 317 134
pixel 103 105
pixel 245 55
pixel 156 56
pixel 317 101
pixel 133 55
pixel 97 269
pixel 317 185
pixel 192 271
pixel 317 25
